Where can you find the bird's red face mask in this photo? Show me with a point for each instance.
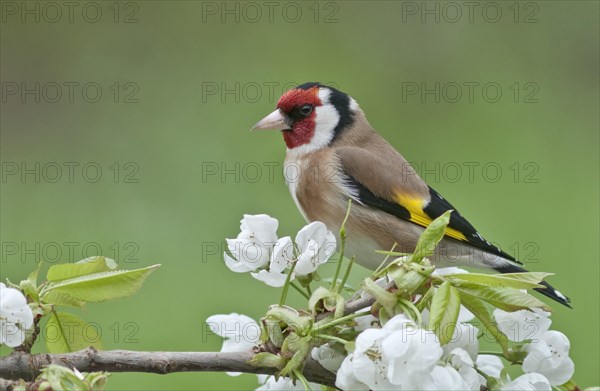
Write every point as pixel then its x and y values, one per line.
pixel 296 116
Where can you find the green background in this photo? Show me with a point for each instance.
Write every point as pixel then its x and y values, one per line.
pixel 373 50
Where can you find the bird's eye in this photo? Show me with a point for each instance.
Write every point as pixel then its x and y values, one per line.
pixel 306 110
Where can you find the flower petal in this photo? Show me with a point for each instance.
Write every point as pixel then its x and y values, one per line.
pixel 549 357
pixel 490 365
pixel 15 316
pixel 283 255
pixel 464 337
pixel 523 324
pixel 251 253
pixel 234 326
pixel 316 231
pixel 263 226
pixel 272 278
pixel 235 266
pixel 441 378
pixel 528 382
pixel 328 357
pixel 346 379
pixel 444 271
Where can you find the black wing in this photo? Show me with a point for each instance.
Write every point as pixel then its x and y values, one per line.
pixel 459 228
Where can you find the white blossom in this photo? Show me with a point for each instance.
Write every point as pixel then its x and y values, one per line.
pixel 269 383
pixel 461 360
pixel 490 365
pixel 258 251
pixel 328 357
pixel 15 316
pixel 282 257
pixel 346 378
pixel 464 337
pixel 521 325
pixel 549 356
pixel 251 249
pixel 366 321
pixel 393 357
pixel 368 364
pixel 548 352
pixel 315 245
pixel 410 351
pixel 441 377
pixel 444 271
pixel 241 332
pixel 528 382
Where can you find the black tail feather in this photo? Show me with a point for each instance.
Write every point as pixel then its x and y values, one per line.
pixel 548 291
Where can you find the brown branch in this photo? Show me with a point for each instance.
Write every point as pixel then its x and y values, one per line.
pixel 358 304
pixel 20 365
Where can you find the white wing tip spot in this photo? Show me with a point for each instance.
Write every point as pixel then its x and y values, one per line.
pixel 557 293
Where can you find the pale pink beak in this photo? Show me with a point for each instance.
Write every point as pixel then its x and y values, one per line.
pixel 277 120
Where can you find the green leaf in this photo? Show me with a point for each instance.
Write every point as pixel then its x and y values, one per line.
pixel 507 299
pixel 110 263
pixel 425 301
pixel 66 332
pixel 291 317
pixel 57 377
pixel 268 360
pixel 410 310
pixel 29 286
pixel 410 276
pixel 271 331
pixel 510 280
pixel 58 298
pixel 108 285
pixel 387 299
pixel 445 307
pixel 482 312
pixel 302 348
pixel 34 275
pixel 431 237
pixel 315 299
pixel 29 289
pixel 90 265
pixel 323 298
pixel 96 380
pixel 61 378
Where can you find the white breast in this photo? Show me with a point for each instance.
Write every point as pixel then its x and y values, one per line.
pixel 293 167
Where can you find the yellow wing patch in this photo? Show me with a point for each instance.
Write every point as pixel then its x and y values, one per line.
pixel 415 206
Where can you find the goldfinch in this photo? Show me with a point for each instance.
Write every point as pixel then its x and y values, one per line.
pixel 333 155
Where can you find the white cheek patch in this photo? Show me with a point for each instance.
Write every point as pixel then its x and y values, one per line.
pixel 354 105
pixel 326 119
